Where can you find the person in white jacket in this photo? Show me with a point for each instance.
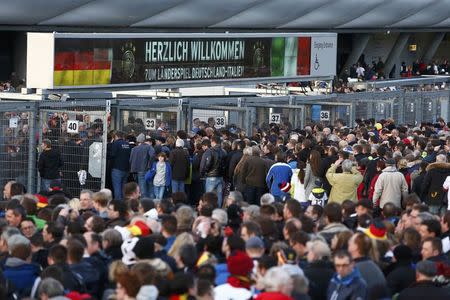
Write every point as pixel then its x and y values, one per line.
pixel 390 186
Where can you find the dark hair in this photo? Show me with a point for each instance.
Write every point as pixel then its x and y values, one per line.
pixel 75 250
pixel 58 253
pixel 17 209
pixel 267 210
pixel 343 254
pixel 433 226
pixel 436 243
pixel 120 207
pixel 169 224
pixel 54 272
pixel 252 228
pixel 130 188
pixel 130 282
pixel 166 206
pixel 317 210
pixel 314 161
pixel 348 206
pixel 145 273
pixel 389 210
pixel 188 255
pixel 55 230
pixel 333 212
pixel 216 139
pixel 294 207
pixel 301 171
pixel 308 224
pixel 211 198
pixel 17 189
pixel 204 286
pixel 207 272
pixel 37 240
pixel 181 283
pixel 179 197
pixel 299 237
pixel 235 242
pixel 98 224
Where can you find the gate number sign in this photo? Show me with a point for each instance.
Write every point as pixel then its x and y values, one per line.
pixel 324 115
pixel 220 122
pixel 150 124
pixel 275 118
pixel 72 126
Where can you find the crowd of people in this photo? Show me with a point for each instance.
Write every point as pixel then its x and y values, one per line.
pixel 320 212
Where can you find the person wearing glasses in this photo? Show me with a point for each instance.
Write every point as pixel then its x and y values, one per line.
pixel 347 283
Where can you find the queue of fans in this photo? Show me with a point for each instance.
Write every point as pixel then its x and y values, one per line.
pixel 313 213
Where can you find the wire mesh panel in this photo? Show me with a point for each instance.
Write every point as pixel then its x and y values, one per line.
pixel 78 132
pixel 410 108
pixel 17 144
pixel 148 122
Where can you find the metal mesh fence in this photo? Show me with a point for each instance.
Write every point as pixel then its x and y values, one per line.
pixel 78 132
pixel 147 122
pixel 17 144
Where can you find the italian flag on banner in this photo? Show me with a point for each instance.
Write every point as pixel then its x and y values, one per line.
pixel 89 67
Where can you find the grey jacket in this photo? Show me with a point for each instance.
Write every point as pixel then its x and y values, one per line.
pixel 141 158
pixel 389 187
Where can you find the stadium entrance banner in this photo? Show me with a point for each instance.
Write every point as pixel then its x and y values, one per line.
pixel 86 60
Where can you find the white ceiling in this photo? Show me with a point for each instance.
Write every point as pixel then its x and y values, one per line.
pixel 233 14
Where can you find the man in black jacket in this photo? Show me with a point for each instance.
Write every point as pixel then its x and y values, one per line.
pixel 180 164
pixel 432 191
pixel 49 164
pixel 212 167
pixel 424 288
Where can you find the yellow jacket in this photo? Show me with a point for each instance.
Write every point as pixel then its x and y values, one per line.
pixel 344 185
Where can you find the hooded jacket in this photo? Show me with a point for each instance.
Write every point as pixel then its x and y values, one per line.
pixel 21 274
pixel 278 173
pixel 390 186
pixel 432 191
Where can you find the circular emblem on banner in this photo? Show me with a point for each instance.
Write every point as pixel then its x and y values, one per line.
pixel 128 60
pixel 258 55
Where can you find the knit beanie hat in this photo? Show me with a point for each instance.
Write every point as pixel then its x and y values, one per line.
pixel 144 248
pixel 239 263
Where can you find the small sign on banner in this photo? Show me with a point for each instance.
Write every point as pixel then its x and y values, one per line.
pixel 72 126
pixel 13 122
pixel 275 118
pixel 220 122
pixel 150 124
pixel 324 115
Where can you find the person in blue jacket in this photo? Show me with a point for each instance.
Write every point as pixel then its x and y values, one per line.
pixel 161 175
pixel 278 173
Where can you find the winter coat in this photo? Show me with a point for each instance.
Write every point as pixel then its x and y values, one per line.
pixel 120 155
pixel 234 160
pixel 424 290
pixel 374 278
pixel 90 275
pixel 21 274
pixel 254 172
pixel 278 173
pixel 351 287
pixel 401 277
pixel 344 185
pixel 310 180
pixel 390 187
pixel 152 172
pixel 180 163
pixel 297 190
pixel 319 274
pixel 49 164
pixel 432 192
pixel 213 162
pixel 141 158
pixel 324 166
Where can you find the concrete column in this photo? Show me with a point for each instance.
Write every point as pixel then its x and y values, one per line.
pixel 397 49
pixel 360 42
pixel 432 48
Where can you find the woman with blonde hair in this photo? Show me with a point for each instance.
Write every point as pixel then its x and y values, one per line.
pixel 182 239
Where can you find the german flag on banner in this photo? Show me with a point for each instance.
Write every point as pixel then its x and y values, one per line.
pixel 73 68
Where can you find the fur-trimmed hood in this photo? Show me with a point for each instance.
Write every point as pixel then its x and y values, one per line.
pixel 438 165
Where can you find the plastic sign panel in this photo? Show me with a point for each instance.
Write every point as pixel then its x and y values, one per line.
pixel 220 122
pixel 72 126
pixel 13 122
pixel 103 59
pixel 275 118
pixel 150 124
pixel 95 160
pixel 324 115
